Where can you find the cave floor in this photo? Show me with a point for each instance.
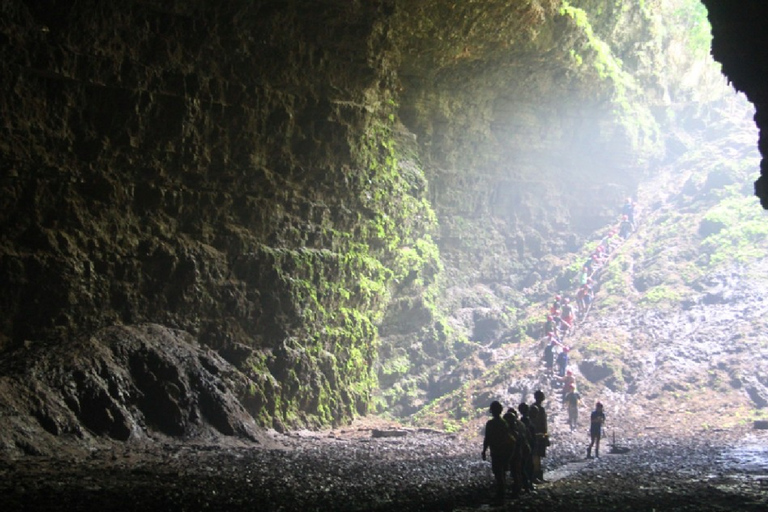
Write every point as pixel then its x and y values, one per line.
pixel 352 470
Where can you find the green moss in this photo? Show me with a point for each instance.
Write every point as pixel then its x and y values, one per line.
pixel 640 127
pixel 659 295
pixel 743 233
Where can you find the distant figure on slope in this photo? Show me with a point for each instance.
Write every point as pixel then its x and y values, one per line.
pixel 584 299
pixel 602 256
pixel 626 227
pixel 597 420
pixel 567 315
pixel 550 325
pixel 609 240
pixel 629 210
pixel 569 383
pixel 592 265
pixel 549 355
pixel 499 439
pixel 562 361
pixel 566 325
pixel 583 276
pixel 554 310
pixel 572 400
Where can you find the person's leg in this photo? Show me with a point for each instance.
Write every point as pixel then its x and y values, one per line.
pixel 517 473
pixel 499 468
pixel 527 471
pixel 597 447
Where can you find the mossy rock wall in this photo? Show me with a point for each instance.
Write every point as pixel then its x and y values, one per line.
pixel 287 180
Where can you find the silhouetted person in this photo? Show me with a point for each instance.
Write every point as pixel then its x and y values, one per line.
pixel 522 449
pixel 530 436
pixel 538 417
pixel 597 419
pixel 499 439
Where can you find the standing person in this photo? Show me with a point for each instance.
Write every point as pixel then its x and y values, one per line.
pixel 562 362
pixel 519 453
pixel 572 400
pixel 583 276
pixel 625 228
pixel 584 296
pixel 597 419
pixel 530 436
pixel 566 313
pixel 549 325
pixel 554 310
pixel 539 420
pixel 549 355
pixel 499 439
pixel 629 210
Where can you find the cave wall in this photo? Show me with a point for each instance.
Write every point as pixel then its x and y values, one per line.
pixel 299 183
pixel 222 168
pixel 738 43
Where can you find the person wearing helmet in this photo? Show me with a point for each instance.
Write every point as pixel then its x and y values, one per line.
pixel 584 299
pixel 549 325
pixel 572 400
pixel 567 319
pixel 555 309
pixel 629 210
pixel 597 420
pixel 569 382
pixel 566 313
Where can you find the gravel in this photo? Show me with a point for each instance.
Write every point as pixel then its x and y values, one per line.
pixel 421 470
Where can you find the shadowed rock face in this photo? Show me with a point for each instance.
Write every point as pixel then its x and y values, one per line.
pixel 739 34
pixel 285 181
pixel 120 383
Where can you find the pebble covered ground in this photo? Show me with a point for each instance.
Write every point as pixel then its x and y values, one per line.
pixel 353 470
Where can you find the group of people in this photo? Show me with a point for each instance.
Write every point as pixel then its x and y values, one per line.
pixel 563 313
pixel 517 441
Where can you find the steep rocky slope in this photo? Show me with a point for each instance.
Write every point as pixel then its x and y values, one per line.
pixel 673 344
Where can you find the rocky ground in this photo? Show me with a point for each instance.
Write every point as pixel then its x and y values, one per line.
pixel 382 467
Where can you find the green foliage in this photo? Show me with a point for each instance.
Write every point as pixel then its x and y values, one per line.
pixel 639 125
pixel 661 294
pixel 744 233
pixel 690 17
